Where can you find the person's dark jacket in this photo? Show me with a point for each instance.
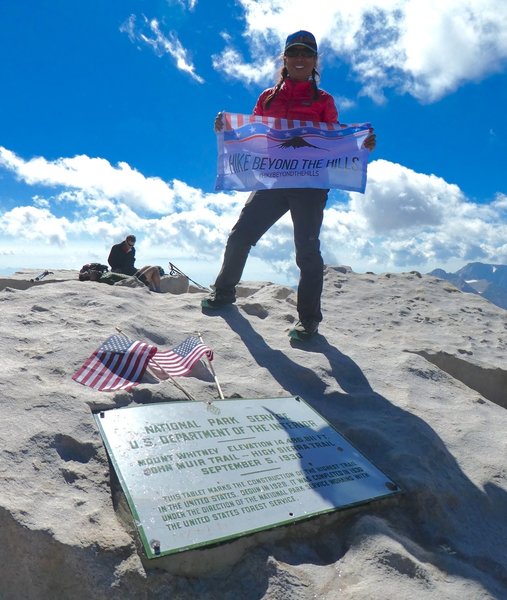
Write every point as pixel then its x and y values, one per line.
pixel 121 261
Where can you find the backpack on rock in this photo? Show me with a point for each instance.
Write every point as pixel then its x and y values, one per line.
pixel 92 272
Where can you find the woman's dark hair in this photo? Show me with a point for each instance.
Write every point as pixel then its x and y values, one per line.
pixel 283 76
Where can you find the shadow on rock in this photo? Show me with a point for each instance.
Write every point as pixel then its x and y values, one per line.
pixel 451 519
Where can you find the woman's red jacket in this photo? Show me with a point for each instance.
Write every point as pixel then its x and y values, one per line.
pixel 295 101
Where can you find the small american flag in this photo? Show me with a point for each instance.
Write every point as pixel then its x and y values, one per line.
pixel 118 364
pixel 181 359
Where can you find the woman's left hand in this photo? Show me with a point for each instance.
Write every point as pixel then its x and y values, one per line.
pixel 370 142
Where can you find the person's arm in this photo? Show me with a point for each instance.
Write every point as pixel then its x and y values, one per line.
pixel 131 257
pixel 259 105
pixel 330 112
pixel 113 257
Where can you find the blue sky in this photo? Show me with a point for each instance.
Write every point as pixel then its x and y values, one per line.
pixel 106 128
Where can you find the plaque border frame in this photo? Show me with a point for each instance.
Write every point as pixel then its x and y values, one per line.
pixel 150 546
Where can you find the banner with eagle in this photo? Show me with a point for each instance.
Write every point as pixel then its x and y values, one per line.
pixel 267 153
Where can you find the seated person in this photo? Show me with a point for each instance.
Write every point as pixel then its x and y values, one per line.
pixel 122 258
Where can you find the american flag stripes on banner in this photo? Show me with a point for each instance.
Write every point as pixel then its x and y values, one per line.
pixel 118 364
pixel 180 359
pixel 256 153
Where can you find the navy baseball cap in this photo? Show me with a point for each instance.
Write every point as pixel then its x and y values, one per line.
pixel 301 38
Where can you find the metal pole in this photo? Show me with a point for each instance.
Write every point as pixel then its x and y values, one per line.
pixel 175 271
pixel 211 368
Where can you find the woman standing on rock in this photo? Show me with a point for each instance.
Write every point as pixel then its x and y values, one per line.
pixel 295 96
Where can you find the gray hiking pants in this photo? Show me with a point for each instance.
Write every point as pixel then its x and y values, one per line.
pixel 262 209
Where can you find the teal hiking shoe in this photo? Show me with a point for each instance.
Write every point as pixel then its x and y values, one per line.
pixel 218 299
pixel 303 331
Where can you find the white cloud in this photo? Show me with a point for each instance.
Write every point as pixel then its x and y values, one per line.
pixel 32 223
pixel 149 33
pixel 232 63
pixel 405 220
pixel 500 202
pixel 413 220
pixel 191 4
pixel 398 198
pixel 105 202
pixel 103 182
pixel 426 48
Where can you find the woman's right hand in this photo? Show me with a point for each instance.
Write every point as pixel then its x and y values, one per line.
pixel 219 122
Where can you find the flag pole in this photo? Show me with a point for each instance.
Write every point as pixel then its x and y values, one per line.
pixel 171 378
pixel 173 271
pixel 180 387
pixel 211 368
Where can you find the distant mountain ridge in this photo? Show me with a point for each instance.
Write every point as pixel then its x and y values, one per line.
pixel 487 280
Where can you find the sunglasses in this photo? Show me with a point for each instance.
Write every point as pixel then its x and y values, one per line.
pixel 305 52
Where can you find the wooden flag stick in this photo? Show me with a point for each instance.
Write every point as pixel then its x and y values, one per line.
pixel 174 382
pixel 220 393
pixel 180 387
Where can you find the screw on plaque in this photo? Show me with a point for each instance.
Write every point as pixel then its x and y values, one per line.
pixel 390 485
pixel 155 544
